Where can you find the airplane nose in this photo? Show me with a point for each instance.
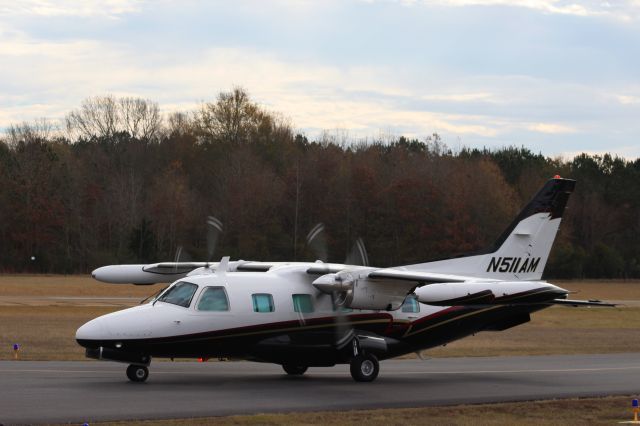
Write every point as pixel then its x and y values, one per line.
pixel 95 329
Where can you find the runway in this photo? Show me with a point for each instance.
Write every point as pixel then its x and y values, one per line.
pixel 77 392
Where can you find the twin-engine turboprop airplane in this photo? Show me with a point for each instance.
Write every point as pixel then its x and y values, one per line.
pixel 315 314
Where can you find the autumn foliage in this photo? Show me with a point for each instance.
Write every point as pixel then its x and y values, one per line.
pixel 117 183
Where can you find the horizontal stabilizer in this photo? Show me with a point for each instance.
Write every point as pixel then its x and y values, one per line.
pixel 577 303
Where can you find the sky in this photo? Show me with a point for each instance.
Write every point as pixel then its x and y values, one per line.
pixel 558 77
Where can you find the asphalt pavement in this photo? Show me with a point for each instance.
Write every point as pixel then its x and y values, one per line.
pixel 77 392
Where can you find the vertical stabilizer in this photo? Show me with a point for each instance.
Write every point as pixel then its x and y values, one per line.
pixel 521 252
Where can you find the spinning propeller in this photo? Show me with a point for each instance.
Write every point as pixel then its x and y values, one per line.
pixel 316 243
pixel 214 230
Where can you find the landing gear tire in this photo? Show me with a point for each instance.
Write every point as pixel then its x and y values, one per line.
pixel 294 370
pixel 137 373
pixel 365 368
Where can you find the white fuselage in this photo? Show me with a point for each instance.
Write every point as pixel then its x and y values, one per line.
pixel 158 319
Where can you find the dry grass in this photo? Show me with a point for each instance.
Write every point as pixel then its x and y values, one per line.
pixel 47 332
pixel 557 330
pixel 44 332
pixel 602 289
pixel 69 285
pixel 592 411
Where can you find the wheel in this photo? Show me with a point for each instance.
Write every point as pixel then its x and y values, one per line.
pixel 294 370
pixel 137 373
pixel 365 368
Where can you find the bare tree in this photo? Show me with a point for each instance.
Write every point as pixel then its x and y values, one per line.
pixel 38 130
pixel 178 123
pixel 97 116
pixel 104 116
pixel 140 117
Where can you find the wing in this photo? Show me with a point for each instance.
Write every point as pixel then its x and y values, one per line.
pixel 386 288
pixel 420 278
pixel 168 272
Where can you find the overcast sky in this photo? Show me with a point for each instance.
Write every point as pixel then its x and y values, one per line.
pixel 558 77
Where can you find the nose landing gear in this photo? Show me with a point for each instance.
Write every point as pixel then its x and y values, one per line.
pixel 137 373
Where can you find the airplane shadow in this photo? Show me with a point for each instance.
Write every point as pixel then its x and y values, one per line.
pixel 210 381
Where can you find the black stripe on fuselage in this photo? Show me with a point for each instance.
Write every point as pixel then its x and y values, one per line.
pixel 485 297
pixel 433 330
pixel 461 321
pixel 197 343
pixel 501 304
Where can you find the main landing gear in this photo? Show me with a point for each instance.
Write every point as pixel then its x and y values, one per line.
pixel 364 367
pixel 137 373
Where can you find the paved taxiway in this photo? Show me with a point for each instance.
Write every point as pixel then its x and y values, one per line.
pixel 37 392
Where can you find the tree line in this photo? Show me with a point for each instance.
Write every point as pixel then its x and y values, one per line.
pixel 118 182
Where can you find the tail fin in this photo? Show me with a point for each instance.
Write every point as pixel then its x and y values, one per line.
pixel 521 252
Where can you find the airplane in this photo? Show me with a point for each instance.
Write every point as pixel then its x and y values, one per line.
pixel 316 314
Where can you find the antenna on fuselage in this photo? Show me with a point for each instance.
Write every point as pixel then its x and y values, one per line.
pixel 223 267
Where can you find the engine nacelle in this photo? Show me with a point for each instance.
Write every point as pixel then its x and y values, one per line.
pixel 487 293
pixel 351 291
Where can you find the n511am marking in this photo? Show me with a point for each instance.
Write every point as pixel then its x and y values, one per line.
pixel 513 264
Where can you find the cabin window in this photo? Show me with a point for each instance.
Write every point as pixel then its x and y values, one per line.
pixel 411 305
pixel 179 294
pixel 263 302
pixel 302 303
pixel 214 299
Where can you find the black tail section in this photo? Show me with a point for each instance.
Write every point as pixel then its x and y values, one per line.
pixel 552 198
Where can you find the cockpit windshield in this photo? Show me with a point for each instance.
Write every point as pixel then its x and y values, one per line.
pixel 153 296
pixel 179 294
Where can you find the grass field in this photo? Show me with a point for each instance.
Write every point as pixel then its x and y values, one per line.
pixel 591 411
pixel 46 329
pixel 69 285
pixel 47 333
